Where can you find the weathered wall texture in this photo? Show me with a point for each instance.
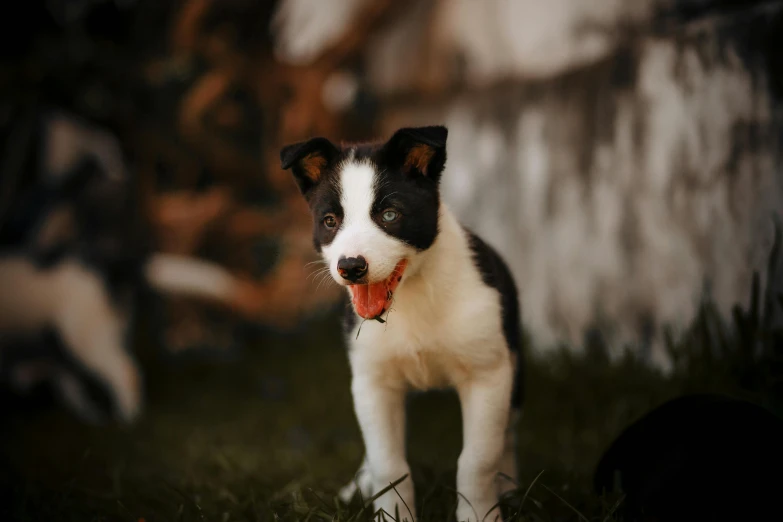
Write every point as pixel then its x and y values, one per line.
pixel 621 159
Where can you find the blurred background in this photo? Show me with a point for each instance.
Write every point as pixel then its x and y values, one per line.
pixel 624 157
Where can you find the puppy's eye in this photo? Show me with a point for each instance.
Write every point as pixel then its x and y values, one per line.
pixel 389 215
pixel 330 221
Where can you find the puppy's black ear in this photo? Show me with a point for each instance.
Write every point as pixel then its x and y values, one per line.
pixel 419 150
pixel 308 161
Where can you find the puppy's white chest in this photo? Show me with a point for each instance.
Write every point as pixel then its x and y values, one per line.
pixel 426 347
pixel 409 365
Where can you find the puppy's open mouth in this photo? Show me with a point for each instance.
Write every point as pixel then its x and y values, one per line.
pixel 372 300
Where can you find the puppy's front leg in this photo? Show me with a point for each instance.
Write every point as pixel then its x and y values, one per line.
pixel 485 413
pixel 381 413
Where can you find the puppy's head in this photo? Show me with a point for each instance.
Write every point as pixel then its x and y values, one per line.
pixel 374 207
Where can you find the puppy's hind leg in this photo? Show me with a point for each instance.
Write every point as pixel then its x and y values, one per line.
pixel 508 477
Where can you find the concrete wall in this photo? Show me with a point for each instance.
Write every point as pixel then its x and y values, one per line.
pixel 620 158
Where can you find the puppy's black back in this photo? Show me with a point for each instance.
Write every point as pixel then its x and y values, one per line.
pixel 496 274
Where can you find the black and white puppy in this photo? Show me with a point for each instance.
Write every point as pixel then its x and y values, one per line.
pixel 385 234
pixel 73 262
pixel 70 267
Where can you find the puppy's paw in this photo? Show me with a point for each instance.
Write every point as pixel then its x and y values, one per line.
pixel 480 513
pixel 362 483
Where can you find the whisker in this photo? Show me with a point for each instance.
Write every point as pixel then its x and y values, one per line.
pixel 328 279
pixel 386 196
pixel 388 313
pixel 320 275
pixel 317 272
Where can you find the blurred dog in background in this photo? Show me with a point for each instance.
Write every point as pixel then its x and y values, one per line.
pixel 71 263
pixel 74 259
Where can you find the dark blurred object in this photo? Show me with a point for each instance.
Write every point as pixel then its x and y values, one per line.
pixel 698 457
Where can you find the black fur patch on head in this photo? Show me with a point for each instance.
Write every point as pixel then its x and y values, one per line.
pixel 325 204
pixel 313 164
pixel 496 274
pixel 417 151
pixel 309 161
pixel 408 168
pixel 414 199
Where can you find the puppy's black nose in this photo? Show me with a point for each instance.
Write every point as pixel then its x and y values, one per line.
pixel 352 268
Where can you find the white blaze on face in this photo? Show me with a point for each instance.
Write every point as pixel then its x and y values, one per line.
pixel 359 235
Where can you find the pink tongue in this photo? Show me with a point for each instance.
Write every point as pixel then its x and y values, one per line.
pixel 370 301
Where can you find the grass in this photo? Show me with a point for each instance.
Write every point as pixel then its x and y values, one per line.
pixel 271 434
